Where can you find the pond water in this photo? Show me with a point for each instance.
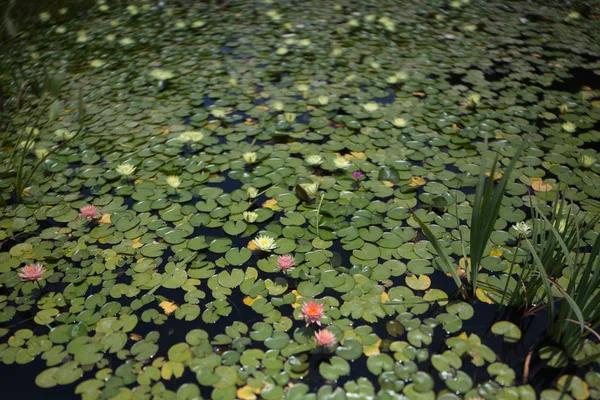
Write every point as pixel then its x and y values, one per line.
pixel 283 200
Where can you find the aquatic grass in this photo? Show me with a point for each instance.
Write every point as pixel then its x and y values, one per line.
pixel 17 161
pixel 486 207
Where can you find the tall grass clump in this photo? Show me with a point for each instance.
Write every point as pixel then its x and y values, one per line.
pixel 486 207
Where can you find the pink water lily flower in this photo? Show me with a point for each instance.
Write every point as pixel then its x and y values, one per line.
pixel 32 272
pixel 357 175
pixel 312 311
pixel 286 262
pixel 89 212
pixel 325 337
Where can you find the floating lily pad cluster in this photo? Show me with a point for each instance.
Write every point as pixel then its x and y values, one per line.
pixel 218 140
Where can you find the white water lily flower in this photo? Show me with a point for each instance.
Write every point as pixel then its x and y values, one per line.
pixel 474 99
pixel 388 24
pixel 252 192
pixel 265 243
pixel 311 189
pixel 63 11
pixel 250 216
pixel 174 181
pixel 125 169
pixel 60 29
pixel 336 52
pixel 569 127
pixel 399 122
pixel 197 24
pixel 314 159
pixel 278 105
pixel 219 112
pixel 304 42
pixel 180 24
pixel 45 16
pixel 190 136
pixel 133 10
pixel 64 134
pixel 110 37
pixel 289 117
pixel 523 229
pixel 41 153
pixel 587 161
pixel 341 163
pixel 323 100
pixel 563 108
pixel 126 41
pixel 161 74
pixel 81 36
pixel 96 63
pixel 303 87
pixel 371 106
pixel 281 51
pixel 249 157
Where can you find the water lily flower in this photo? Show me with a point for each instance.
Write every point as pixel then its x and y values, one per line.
pixel 110 37
pixel 252 192
pixel 32 131
pixel 563 108
pixel 32 272
pixel 371 106
pixel 89 212
pixel 341 163
pixel 126 41
pixel 523 229
pixel 265 243
pixel 286 262
pixel 174 181
pixel 357 175
pixel 219 112
pixel 161 74
pixel 250 216
pixel 96 63
pixel 569 127
pixel 325 337
pixel 41 153
pixel 278 105
pixel 81 36
pixel 314 159
pixel 336 52
pixel 249 157
pixel 63 11
pixel 180 24
pixel 587 161
pixel 133 10
pixel 197 24
pixel 304 42
pixel 125 169
pixel 282 51
pixel 190 136
pixel 312 312
pixel 311 189
pixel 233 82
pixel 323 100
pixel 289 117
pixel 28 145
pixel 303 87
pixel 45 16
pixel 388 24
pixel 60 29
pixel 399 122
pixel 64 134
pixel 474 99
